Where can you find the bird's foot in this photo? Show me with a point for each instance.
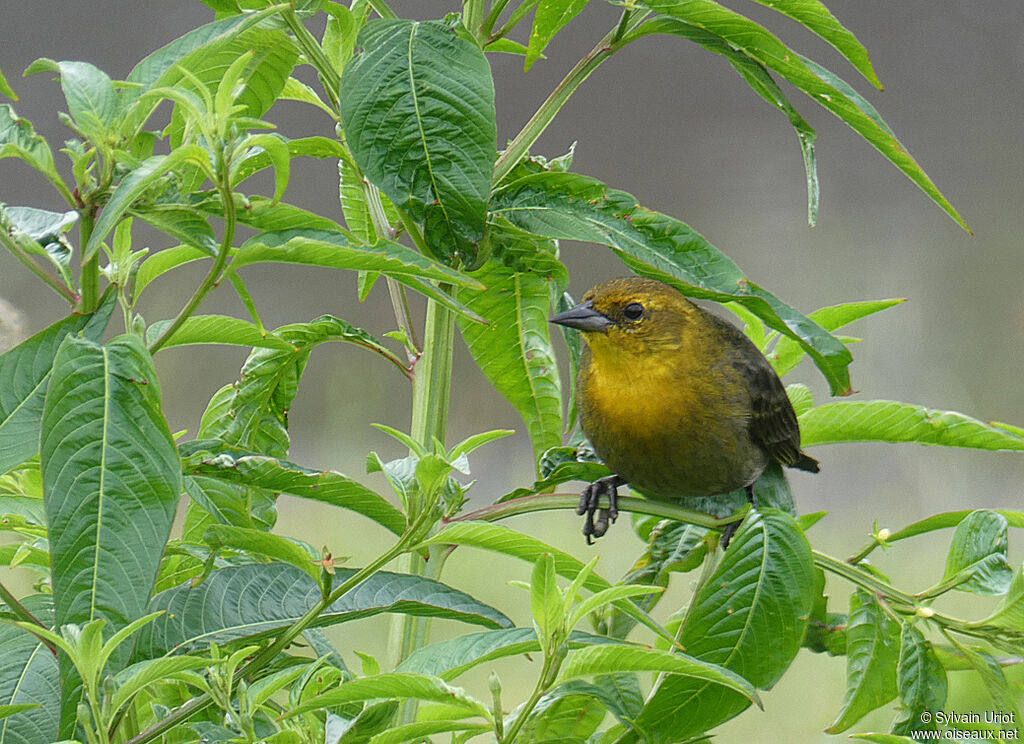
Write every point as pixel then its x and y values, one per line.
pixel 730 529
pixel 590 501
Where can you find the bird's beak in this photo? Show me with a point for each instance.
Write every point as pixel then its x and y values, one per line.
pixel 584 318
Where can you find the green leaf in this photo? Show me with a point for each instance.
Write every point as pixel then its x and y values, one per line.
pixel 41 232
pixel 24 372
pixel 891 421
pixel 760 81
pixel 135 184
pixel 560 465
pixel 765 48
pixel 418 109
pixel 1003 694
pixel 546 602
pixel 217 329
pixel 160 263
pixel 214 459
pixel 565 714
pixel 6 89
pixel 450 659
pixel 272 57
pixel 19 140
pixel 185 224
pixel 258 542
pixel 253 414
pixel 612 659
pixel 872 660
pixel 338 250
pixel 552 16
pixel 568 206
pixel 137 677
pixel 276 148
pixel 402 686
pixel 951 519
pixel 157 69
pixel 324 148
pixel 255 601
pixel 296 90
pixel 29 674
pixel 111 479
pixel 1009 613
pixel 514 349
pixel 92 101
pixel 749 617
pixel 921 681
pixel 816 17
pixel 788 354
pixel 978 551
pixel 422 729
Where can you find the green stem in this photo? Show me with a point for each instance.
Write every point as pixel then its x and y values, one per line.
pixel 90 280
pixel 496 9
pixel 433 376
pixel 52 282
pixel 863 553
pixel 547 674
pixel 546 502
pixel 473 15
pixel 382 8
pixel 21 613
pixel 216 271
pixel 431 396
pixel 315 54
pixel 517 15
pixel 522 142
pixel 863 579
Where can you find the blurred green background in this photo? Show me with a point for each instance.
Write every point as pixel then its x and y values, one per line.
pixel 679 129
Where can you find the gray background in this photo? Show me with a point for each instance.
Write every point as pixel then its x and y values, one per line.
pixel 679 129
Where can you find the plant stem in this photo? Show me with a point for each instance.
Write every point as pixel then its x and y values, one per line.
pixel 216 271
pixel 90 279
pixel 546 502
pixel 382 8
pixel 863 579
pixel 315 54
pixel 497 6
pixel 21 612
pixel 430 399
pixel 522 142
pixel 517 15
pixel 433 375
pixel 863 553
pixel 473 15
pixel 547 673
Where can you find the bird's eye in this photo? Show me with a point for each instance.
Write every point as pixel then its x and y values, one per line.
pixel 633 311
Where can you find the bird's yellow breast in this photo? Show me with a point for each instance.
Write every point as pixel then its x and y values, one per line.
pixel 669 420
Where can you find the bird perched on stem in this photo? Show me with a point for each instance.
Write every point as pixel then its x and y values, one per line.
pixel 676 401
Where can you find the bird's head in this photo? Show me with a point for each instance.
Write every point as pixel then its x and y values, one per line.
pixel 631 315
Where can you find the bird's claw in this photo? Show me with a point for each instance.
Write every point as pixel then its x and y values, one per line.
pixel 730 529
pixel 590 501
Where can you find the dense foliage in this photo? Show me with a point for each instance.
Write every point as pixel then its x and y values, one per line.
pixel 215 634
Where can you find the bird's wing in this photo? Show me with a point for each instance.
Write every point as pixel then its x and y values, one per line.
pixel 773 423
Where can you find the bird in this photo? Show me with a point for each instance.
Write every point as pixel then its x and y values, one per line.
pixel 675 400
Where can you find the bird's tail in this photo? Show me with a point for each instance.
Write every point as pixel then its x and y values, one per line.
pixel 806 462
